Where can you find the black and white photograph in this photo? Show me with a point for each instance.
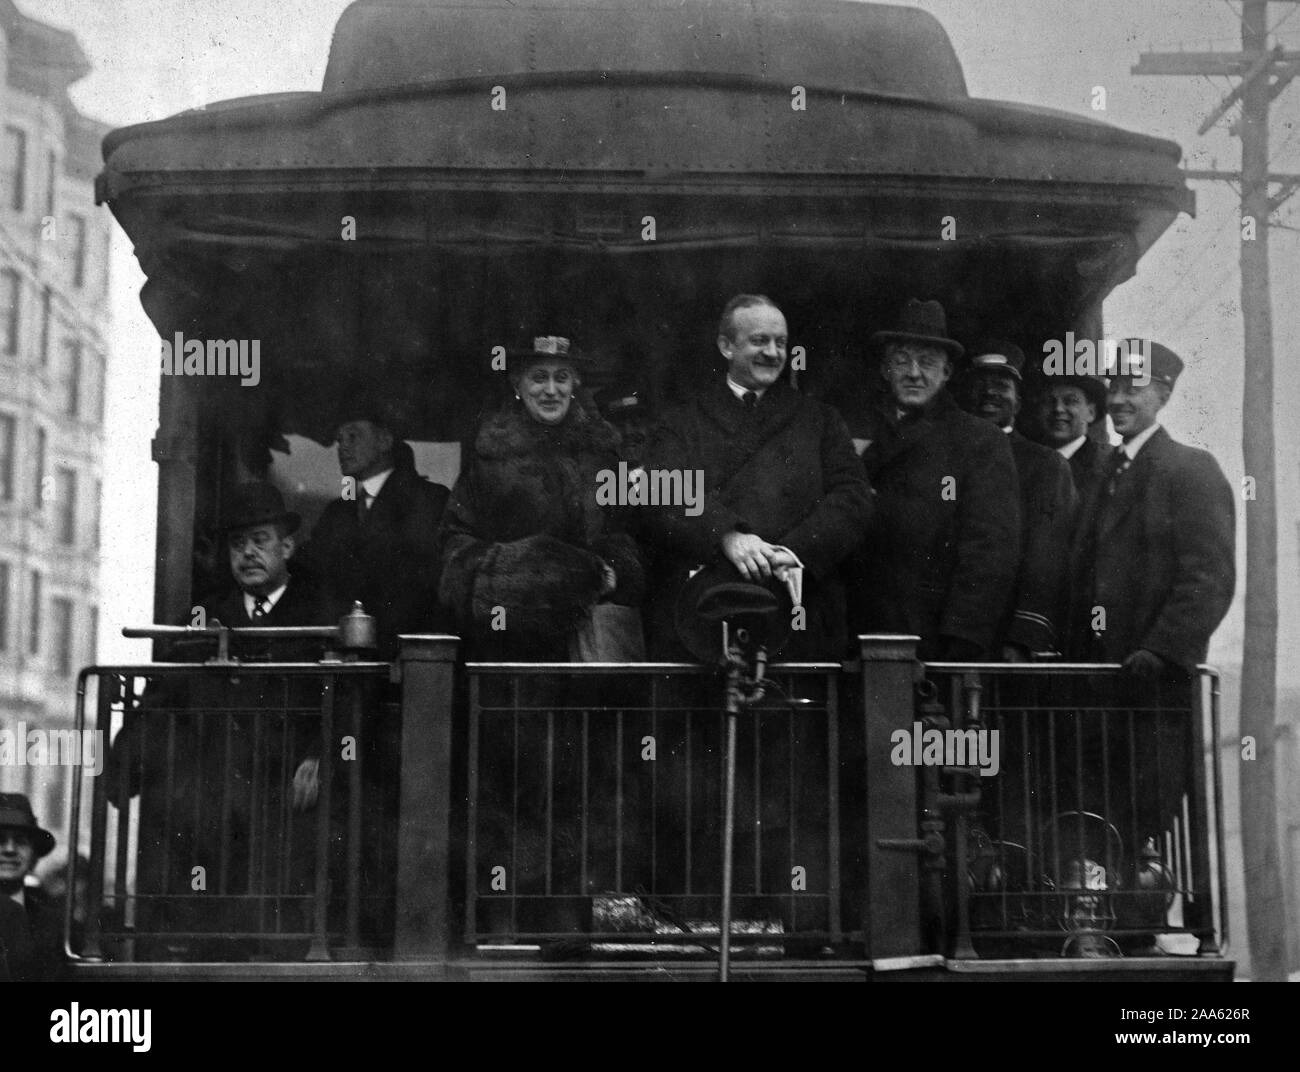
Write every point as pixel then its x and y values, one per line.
pixel 650 490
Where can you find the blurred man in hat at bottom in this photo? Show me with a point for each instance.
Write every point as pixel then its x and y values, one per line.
pixel 238 753
pixel 31 922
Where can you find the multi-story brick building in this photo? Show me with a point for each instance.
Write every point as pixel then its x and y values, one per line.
pixel 54 260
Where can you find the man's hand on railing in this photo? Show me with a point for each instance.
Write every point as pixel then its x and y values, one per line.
pixel 306 784
pixel 1143 664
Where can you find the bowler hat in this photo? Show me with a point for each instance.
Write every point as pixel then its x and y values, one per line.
pixel 718 592
pixel 921 321
pixel 258 503
pixel 16 814
pixel 999 356
pixel 1093 388
pixel 618 403
pixel 365 404
pixel 543 348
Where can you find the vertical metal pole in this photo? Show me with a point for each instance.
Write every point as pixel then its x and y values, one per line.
pixel 355 804
pixel 320 941
pixel 728 833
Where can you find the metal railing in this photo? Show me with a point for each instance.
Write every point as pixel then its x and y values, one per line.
pixel 197 851
pixel 1085 809
pixel 596 811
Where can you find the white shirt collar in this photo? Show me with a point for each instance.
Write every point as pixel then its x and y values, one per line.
pixel 375 484
pixel 1009 429
pixel 1072 448
pixel 740 392
pixel 1132 446
pixel 17 896
pixel 273 598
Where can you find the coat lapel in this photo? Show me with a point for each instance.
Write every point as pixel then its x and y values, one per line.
pixel 1130 488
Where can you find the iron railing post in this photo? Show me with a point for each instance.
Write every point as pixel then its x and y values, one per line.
pixel 427 665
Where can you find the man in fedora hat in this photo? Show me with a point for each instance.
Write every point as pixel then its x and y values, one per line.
pixel 1153 564
pixel 376 542
pixel 31 939
pixel 782 485
pixel 1066 407
pixel 1047 505
pixel 942 558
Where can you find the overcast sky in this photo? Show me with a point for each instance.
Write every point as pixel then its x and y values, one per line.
pixel 153 58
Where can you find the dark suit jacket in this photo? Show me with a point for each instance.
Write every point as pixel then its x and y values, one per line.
pixel 31 938
pixel 1157 556
pixel 389 562
pixel 1047 508
pixel 1089 465
pixel 784 471
pixel 942 556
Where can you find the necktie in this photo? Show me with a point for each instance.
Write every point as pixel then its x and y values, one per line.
pixel 260 608
pixel 363 505
pixel 750 398
pixel 1122 462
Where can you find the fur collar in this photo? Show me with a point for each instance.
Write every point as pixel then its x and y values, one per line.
pixel 510 432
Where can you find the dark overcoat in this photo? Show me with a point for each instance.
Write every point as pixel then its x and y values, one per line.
pixel 232 756
pixel 523 536
pixel 942 557
pixel 389 561
pixel 784 471
pixel 1089 466
pixel 1047 507
pixel 1157 556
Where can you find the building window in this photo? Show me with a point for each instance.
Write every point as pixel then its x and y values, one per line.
pixel 47 312
pixel 39 491
pixel 52 182
pixel 94 635
pixel 8 436
pixel 65 490
pixel 101 389
pixel 96 512
pixel 11 294
pixel 15 167
pixel 62 613
pixel 77 231
pixel 71 377
pixel 34 615
pixel 5 571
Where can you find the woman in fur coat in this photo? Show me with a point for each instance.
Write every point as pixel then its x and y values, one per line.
pixel 526 551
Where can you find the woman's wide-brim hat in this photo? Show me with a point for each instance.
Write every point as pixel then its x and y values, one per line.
pixel 258 503
pixel 923 322
pixel 717 589
pixel 16 814
pixel 547 348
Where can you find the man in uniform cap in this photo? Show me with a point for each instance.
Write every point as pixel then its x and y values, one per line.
pixel 942 557
pixel 1153 563
pixel 1047 506
pixel 1066 407
pixel 31 924
pixel 376 542
pixel 1152 575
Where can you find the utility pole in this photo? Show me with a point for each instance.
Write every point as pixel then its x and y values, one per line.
pixel 1263 74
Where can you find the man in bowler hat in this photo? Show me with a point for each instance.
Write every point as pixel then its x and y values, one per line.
pixel 31 922
pixel 1066 407
pixel 1047 504
pixel 941 560
pixel 217 760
